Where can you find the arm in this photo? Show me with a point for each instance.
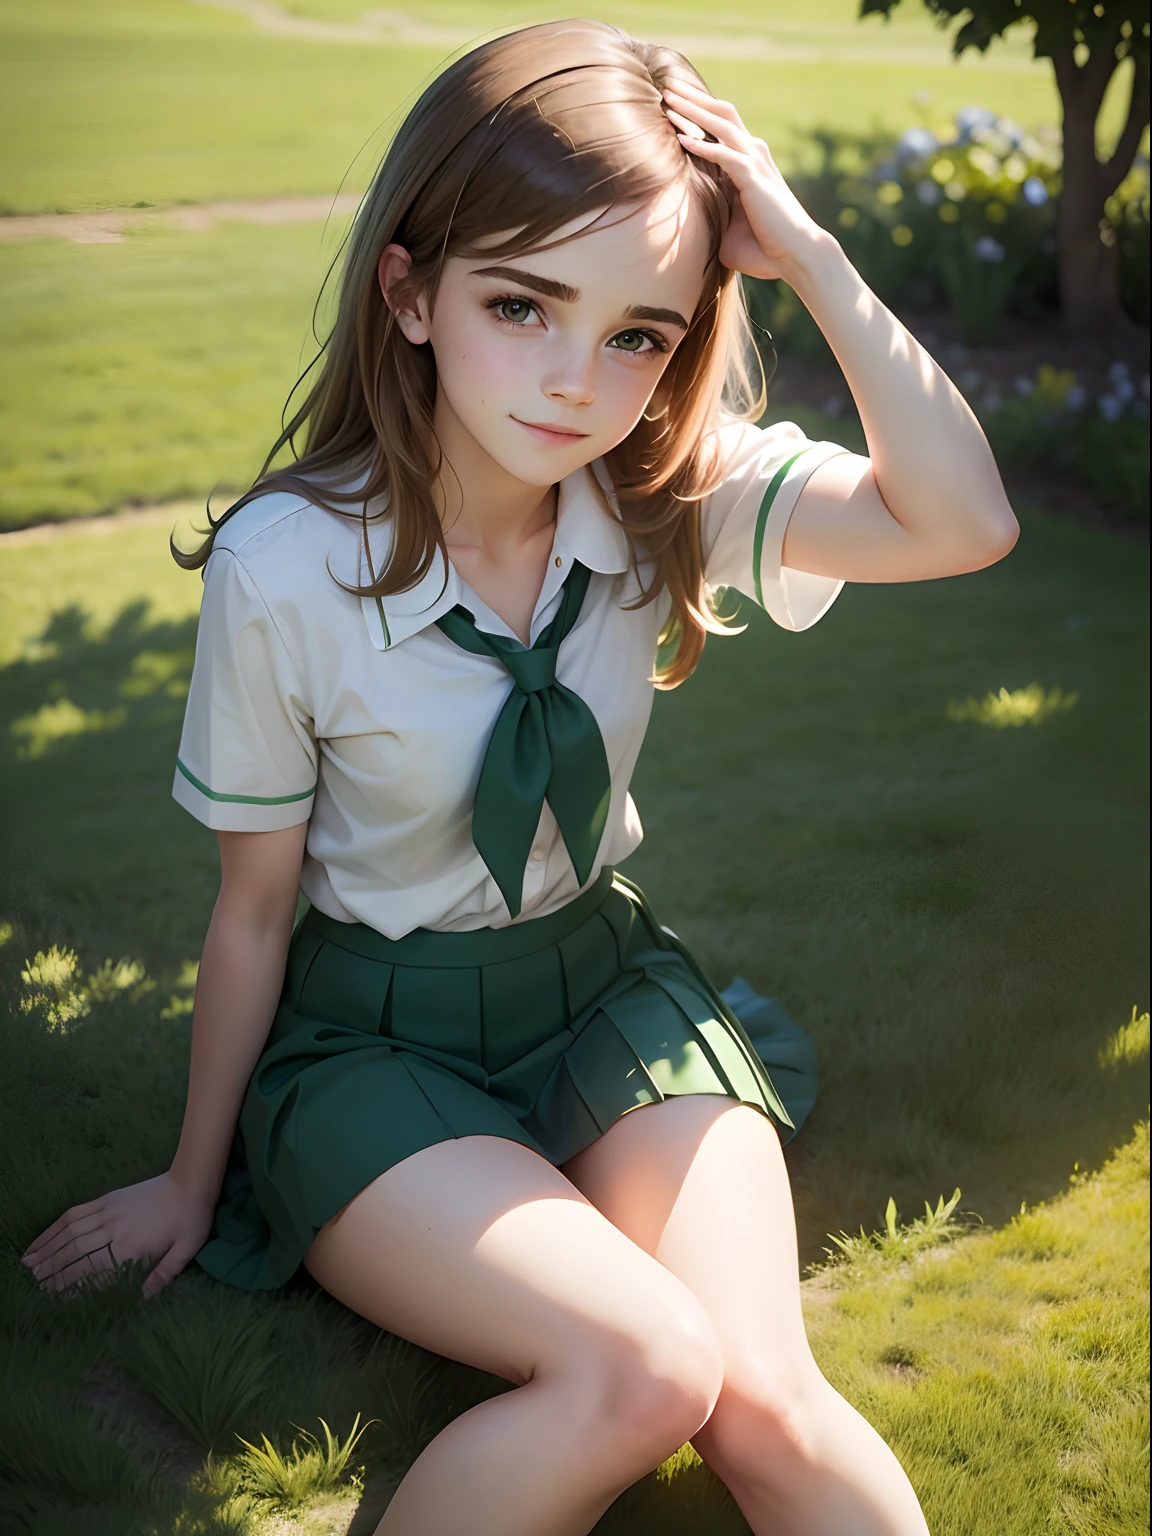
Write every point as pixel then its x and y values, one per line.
pixel 168 1218
pixel 928 501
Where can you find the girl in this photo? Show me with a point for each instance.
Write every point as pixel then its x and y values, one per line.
pixel 483 1097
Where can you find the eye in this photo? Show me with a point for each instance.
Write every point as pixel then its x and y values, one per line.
pixel 638 342
pixel 513 311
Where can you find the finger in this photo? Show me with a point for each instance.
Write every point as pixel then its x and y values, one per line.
pixel 91 1266
pixel 683 124
pixel 72 1251
pixel 735 135
pixel 698 93
pixel 77 1229
pixel 61 1222
pixel 730 160
pixel 167 1269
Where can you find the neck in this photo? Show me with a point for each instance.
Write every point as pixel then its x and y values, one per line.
pixel 482 507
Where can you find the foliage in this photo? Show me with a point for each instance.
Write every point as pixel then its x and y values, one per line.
pixel 1051 420
pixel 1117 25
pixel 1006 708
pixel 898 1240
pixel 961 215
pixel 308 1469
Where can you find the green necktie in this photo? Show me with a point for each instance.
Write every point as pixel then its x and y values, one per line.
pixel 545 745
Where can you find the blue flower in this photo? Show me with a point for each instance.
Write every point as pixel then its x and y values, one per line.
pixel 1117 373
pixel 928 193
pixel 1110 408
pixel 1035 192
pixel 1024 386
pixel 989 249
pixel 1076 398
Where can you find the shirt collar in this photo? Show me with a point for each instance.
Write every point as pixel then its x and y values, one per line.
pixel 586 530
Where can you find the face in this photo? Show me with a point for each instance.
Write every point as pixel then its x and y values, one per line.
pixel 546 361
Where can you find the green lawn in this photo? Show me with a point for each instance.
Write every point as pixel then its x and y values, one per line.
pixel 956 911
pixel 164 100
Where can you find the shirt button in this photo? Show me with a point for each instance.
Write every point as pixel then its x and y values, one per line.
pixel 559 562
pixel 537 854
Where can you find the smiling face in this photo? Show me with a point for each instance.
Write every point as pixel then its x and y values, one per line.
pixel 546 361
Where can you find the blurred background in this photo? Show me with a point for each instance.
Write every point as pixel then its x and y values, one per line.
pixel 921 828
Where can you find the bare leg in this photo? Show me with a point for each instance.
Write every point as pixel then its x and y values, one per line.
pixel 700 1183
pixel 482 1251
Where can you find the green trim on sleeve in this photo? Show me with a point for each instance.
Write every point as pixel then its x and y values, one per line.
pixel 244 799
pixel 770 494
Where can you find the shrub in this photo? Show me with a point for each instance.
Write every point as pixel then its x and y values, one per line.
pixel 962 215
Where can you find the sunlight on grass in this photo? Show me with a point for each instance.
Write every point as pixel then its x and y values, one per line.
pixel 308 1469
pixel 1022 706
pixel 38 733
pixel 56 987
pixel 902 1240
pixel 1129 1044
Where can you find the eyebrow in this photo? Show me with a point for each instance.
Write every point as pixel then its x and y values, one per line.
pixel 552 289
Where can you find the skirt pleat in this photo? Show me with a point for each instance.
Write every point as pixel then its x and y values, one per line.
pixel 544 1033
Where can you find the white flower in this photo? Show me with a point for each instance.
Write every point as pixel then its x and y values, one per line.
pixel 915 144
pixel 1024 386
pixel 989 249
pixel 1076 398
pixel 928 193
pixel 1035 192
pixel 1110 408
pixel 969 118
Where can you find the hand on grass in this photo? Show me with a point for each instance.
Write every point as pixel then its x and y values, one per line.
pixel 769 231
pixel 155 1220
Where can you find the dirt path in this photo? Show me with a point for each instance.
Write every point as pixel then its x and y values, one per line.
pixel 105 227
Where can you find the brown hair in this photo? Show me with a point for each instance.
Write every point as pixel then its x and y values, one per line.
pixel 527 133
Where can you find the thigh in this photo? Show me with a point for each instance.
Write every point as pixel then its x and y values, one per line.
pixel 481 1250
pixel 699 1182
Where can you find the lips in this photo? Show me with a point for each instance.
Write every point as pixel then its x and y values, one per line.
pixel 554 436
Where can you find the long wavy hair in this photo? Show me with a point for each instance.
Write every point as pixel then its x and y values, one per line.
pixel 525 133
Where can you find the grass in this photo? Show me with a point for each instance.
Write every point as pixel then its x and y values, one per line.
pixel 167 100
pixel 951 901
pixel 150 369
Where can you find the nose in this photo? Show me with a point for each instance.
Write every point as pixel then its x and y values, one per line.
pixel 569 377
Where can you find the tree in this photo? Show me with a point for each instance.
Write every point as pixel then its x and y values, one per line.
pixel 1087 44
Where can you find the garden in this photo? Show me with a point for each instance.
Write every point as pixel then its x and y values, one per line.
pixel 929 837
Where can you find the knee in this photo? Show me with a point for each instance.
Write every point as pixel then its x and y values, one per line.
pixel 767 1428
pixel 645 1391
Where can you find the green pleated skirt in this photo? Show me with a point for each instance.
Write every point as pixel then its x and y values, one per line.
pixel 544 1032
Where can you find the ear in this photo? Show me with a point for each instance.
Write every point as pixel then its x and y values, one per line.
pixel 392 272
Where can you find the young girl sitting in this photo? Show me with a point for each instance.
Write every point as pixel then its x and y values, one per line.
pixel 479 1092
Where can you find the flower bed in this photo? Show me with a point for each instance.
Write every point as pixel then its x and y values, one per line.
pixel 963 216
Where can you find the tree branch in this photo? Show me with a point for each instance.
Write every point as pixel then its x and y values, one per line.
pixel 1119 163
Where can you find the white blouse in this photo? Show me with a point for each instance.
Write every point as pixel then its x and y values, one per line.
pixel 361 717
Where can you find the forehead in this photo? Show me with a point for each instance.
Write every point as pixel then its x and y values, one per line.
pixel 649 253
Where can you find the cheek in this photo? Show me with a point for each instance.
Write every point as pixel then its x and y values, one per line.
pixel 471 364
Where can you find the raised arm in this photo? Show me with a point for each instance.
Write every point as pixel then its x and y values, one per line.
pixel 168 1218
pixel 928 501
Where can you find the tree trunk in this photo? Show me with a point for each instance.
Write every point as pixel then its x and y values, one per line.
pixel 1089 256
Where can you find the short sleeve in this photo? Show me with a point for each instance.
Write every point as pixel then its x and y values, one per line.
pixel 743 521
pixel 247 760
